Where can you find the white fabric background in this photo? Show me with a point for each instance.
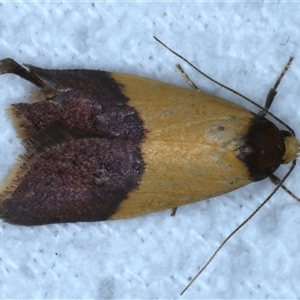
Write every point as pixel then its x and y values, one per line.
pixel 243 45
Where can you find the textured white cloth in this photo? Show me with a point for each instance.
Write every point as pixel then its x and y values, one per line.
pixel 243 45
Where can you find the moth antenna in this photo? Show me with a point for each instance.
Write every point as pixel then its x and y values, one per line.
pixel 262 109
pixel 241 225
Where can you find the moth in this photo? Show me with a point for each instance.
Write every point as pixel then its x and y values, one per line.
pixel 102 146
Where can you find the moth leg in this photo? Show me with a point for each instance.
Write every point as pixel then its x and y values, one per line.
pixel 174 210
pixel 273 91
pixel 275 180
pixel 187 78
pixel 10 66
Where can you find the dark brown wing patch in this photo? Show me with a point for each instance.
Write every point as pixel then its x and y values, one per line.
pixel 83 151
